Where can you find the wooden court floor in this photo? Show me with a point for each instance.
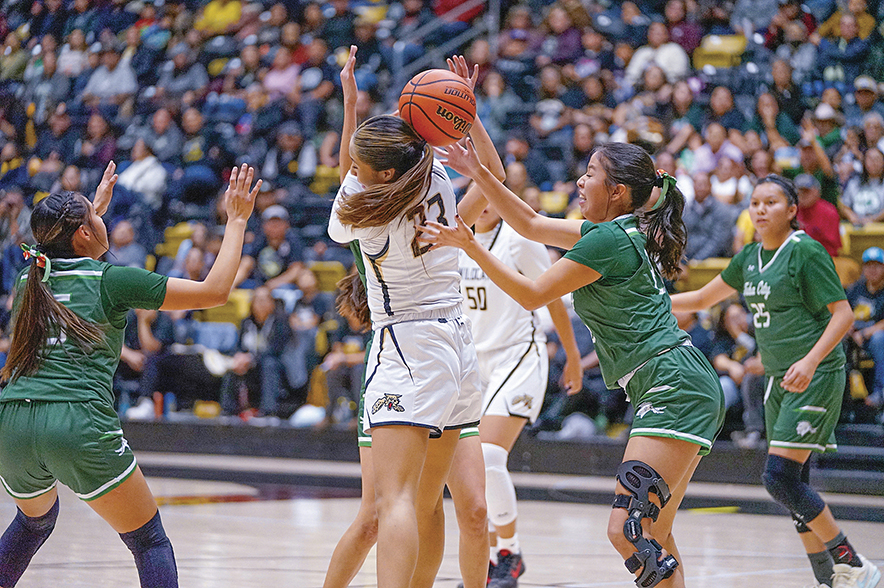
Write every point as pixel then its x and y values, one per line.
pixel 225 538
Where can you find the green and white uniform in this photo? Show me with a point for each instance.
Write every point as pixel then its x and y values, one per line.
pixel 59 423
pixel 675 391
pixel 788 291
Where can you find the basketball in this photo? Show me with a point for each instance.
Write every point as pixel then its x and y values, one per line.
pixel 439 105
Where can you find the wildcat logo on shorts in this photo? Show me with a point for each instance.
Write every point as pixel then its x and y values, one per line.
pixel 524 399
pixel 647 407
pixel 391 401
pixel 804 428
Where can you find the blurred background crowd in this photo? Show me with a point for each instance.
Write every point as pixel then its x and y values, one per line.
pixel 720 92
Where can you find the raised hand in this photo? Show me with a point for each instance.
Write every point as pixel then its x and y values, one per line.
pixel 458 65
pixel 240 201
pixel 462 158
pixel 348 77
pixel 105 190
pixel 440 235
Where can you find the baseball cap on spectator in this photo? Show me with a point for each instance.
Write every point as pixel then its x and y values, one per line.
pixel 873 254
pixel 825 112
pixel 806 182
pixel 865 83
pixel 291 128
pixel 275 211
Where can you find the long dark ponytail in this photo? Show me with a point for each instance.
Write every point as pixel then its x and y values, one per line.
pixel 631 166
pixel 388 142
pixel 54 221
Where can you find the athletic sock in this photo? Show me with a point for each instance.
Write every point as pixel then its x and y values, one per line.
pixel 22 539
pixel 493 556
pixel 843 552
pixel 511 544
pixel 153 554
pixel 822 563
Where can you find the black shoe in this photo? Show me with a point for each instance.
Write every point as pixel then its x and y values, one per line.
pixel 509 567
pixel 491 567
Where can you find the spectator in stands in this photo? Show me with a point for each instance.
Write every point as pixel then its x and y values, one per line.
pixel 144 177
pixel 46 90
pixel 55 137
pixel 242 72
pixel 13 171
pixel 597 55
pixel 344 367
pixel 96 149
pixel 789 12
pixel 125 250
pixel 775 127
pixel 72 57
pixel 709 223
pixel 683 31
pixel 845 57
pixel 15 228
pixel 814 161
pixel 203 156
pixel 873 130
pixel 112 84
pixel 742 375
pixel 142 59
pixel 414 15
pixel 551 121
pixel 717 146
pixel 789 96
pixel 315 87
pixel 337 30
pixel 518 149
pixel 562 44
pixel 257 377
pixel 290 161
pixel 219 17
pixel 827 123
pixel 275 257
pixel 81 18
pixel 723 111
pixel 497 106
pixel 818 218
pixel 660 51
pixel 93 62
pixel 182 80
pixel 13 60
pixel 730 183
pixel 863 199
pixel 866 297
pixel 70 180
pixel 164 137
pixel 147 338
pixel 865 92
pixel 282 75
pixel 797 49
pixel 865 22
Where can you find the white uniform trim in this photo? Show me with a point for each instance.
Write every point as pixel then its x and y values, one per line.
pixel 672 433
pixel 26 495
pixel 792 445
pixel 95 493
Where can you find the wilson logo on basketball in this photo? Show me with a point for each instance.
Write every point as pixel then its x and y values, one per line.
pixel 460 94
pixel 460 125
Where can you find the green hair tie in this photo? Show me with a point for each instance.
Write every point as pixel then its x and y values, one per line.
pixel 41 258
pixel 665 182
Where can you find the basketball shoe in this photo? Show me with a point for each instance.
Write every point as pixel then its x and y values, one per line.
pixel 865 576
pixel 509 567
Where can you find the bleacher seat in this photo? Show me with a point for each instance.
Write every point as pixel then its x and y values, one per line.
pixel 701 273
pixel 234 311
pixel 328 273
pixel 848 270
pixel 719 51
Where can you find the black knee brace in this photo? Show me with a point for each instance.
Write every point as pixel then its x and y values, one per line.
pixel 640 479
pixel 153 554
pixel 783 480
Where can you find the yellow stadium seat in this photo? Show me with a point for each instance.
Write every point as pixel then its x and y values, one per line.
pixel 173 236
pixel 719 51
pixel 701 273
pixel 848 270
pixel 328 273
pixel 234 311
pixel 860 239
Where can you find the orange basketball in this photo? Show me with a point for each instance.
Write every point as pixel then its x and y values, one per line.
pixel 439 105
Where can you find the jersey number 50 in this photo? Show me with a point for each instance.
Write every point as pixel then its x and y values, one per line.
pixel 478 299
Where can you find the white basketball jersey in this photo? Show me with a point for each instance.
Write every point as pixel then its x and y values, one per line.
pixel 405 280
pixel 498 320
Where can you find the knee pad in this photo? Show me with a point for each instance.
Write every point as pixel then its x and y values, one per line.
pixel 640 479
pixel 40 526
pixel 21 540
pixel 500 494
pixel 153 554
pixel 783 480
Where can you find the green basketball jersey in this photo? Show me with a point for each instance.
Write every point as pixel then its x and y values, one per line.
pixel 627 310
pixel 100 293
pixel 788 291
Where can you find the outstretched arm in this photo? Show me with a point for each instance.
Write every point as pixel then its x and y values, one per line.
pixel 562 278
pixel 348 84
pixel 563 233
pixel 710 294
pixel 105 190
pixel 215 289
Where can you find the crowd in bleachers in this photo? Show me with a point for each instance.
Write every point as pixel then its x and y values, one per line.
pixel 177 91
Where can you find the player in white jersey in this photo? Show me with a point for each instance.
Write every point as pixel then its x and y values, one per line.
pixel 514 368
pixel 422 377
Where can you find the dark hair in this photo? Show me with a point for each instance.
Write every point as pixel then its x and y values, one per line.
pixel 631 166
pixel 787 188
pixel 54 221
pixel 352 300
pixel 388 142
pixel 864 176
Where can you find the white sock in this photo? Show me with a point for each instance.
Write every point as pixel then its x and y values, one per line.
pixel 493 556
pixel 511 544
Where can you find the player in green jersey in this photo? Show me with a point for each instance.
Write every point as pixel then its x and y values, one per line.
pixel 801 314
pixel 57 421
pixel 611 268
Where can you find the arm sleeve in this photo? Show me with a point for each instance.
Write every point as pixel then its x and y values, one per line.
pixel 597 249
pixel 733 273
